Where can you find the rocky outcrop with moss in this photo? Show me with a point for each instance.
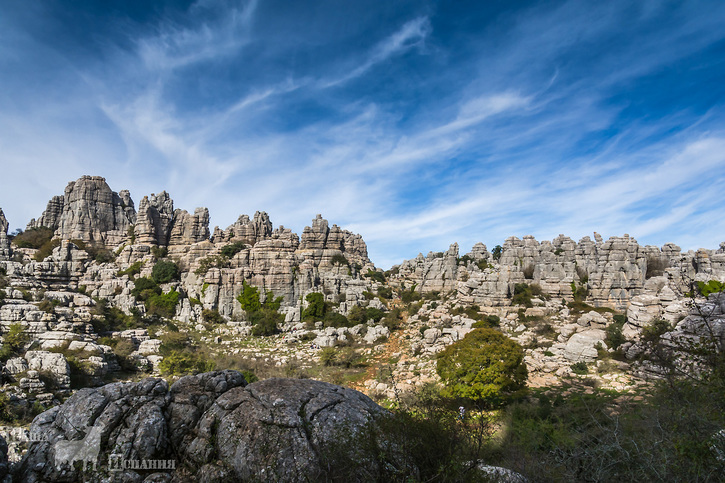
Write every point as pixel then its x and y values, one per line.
pixel 207 427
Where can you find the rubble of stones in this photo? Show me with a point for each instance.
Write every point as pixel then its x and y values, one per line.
pixel 617 276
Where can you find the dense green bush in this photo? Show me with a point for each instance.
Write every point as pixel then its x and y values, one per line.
pixel 144 287
pixel 13 342
pixel 232 249
pixel 385 292
pixel 165 271
pixel 340 259
pixel 496 252
pixel 376 276
pixel 713 286
pixel 316 307
pixel 485 366
pixel 264 317
pixel 212 316
pixel 614 336
pixel 46 250
pixel 33 237
pixel 163 305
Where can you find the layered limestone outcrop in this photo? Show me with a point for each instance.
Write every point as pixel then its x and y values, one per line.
pixel 4 242
pixel 89 211
pixel 613 273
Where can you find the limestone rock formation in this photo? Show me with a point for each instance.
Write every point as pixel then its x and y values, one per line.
pixel 89 211
pixel 153 222
pixel 188 228
pixel 213 426
pixel 4 242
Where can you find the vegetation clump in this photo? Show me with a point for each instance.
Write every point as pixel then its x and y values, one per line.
pixel 484 366
pixel 264 317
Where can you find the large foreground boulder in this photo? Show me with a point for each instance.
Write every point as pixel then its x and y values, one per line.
pixel 207 427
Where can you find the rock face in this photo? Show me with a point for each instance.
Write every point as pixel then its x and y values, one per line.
pixel 613 272
pixel 210 427
pixel 4 242
pixel 153 223
pixel 89 211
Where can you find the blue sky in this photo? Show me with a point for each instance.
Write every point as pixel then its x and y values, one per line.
pixel 415 124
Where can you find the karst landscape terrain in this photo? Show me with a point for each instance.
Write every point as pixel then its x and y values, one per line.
pixel 133 330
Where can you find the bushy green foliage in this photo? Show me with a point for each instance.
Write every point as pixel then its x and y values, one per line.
pixel 579 293
pixel 316 308
pixel 132 270
pixel 33 237
pixel 408 296
pixel 335 319
pixel 213 261
pixel 13 342
pixel 159 252
pixel 339 259
pixel 655 329
pixel 165 271
pixel 144 287
pixel 385 292
pixel 264 317
pixel 163 305
pixel 393 319
pixel 485 366
pixel 232 249
pixel 181 363
pixel 358 315
pixel 376 276
pixel 99 253
pixel 488 321
pixel 496 252
pixel 713 286
pixel 212 316
pixel 46 250
pixel 522 295
pixel 580 368
pixel 249 298
pixel 470 311
pixel 614 336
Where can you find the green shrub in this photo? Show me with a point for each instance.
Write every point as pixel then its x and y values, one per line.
pixel 713 286
pixel 100 254
pixel 212 316
pixel 33 237
pixel 214 261
pixel 339 259
pixel 159 252
pixel 46 250
pixel 408 296
pixel 655 329
pixel 264 317
pixel 163 305
pixel 316 307
pixel 393 319
pixel 385 292
pixel 13 342
pixel 376 276
pixel 484 366
pixel 496 252
pixel 249 298
pixel 144 287
pixel 232 249
pixel 182 363
pixel 165 271
pixel 131 271
pixel 580 368
pixel 334 319
pixel 522 295
pixel 614 337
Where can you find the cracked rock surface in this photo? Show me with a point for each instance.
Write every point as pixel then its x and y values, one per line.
pixel 214 427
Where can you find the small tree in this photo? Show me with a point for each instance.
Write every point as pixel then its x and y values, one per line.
pixel 165 271
pixel 485 366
